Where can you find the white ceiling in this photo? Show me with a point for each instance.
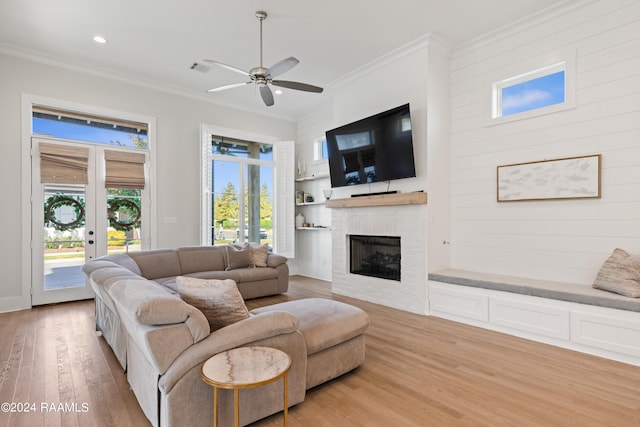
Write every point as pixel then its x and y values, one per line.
pixel 158 40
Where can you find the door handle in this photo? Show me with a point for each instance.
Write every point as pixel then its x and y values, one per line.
pixel 90 242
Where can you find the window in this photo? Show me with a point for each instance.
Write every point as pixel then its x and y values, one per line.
pixel 63 124
pixel 242 191
pixel 320 153
pixel 541 91
pixel 531 94
pixel 247 191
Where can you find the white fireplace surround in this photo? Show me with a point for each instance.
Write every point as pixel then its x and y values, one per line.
pixel 407 222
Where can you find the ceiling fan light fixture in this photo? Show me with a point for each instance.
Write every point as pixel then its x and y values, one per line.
pixel 263 76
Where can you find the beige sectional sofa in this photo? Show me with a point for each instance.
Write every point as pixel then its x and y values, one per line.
pixel 162 341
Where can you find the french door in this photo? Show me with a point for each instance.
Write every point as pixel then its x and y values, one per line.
pixel 75 220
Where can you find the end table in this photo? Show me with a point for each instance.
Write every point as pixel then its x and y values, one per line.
pixel 246 367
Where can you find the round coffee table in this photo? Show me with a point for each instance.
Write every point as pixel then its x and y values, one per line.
pixel 246 367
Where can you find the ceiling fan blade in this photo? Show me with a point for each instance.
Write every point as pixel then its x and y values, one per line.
pixel 267 96
pixel 228 67
pixel 282 66
pixel 231 86
pixel 297 86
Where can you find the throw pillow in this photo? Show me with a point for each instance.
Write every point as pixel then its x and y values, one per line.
pixel 259 254
pixel 219 300
pixel 620 273
pixel 238 257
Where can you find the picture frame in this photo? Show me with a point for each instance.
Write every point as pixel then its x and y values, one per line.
pixel 556 179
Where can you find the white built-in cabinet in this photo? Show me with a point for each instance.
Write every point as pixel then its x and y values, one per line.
pixel 602 331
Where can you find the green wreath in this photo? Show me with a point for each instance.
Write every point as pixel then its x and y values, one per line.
pixel 57 201
pixel 127 206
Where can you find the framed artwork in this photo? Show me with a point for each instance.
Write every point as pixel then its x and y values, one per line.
pixel 568 178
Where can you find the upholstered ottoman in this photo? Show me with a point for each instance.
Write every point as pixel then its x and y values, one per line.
pixel 333 332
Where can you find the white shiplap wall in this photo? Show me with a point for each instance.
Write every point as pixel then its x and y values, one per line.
pixel 553 240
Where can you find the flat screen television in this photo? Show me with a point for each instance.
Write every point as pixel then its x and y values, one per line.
pixel 377 148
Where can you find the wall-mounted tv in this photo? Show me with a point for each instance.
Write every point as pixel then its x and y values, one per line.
pixel 377 148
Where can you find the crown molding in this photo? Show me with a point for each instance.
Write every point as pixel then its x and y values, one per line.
pixel 53 61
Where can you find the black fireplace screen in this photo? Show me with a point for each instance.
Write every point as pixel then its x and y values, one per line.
pixel 375 256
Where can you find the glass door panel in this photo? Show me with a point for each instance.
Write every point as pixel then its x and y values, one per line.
pixel 64 236
pixel 124 216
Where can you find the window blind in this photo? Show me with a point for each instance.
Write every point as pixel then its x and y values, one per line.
pixel 124 169
pixel 63 164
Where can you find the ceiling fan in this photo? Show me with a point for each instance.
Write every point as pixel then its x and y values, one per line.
pixel 263 77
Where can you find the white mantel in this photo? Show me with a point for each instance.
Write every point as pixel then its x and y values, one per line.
pixel 407 222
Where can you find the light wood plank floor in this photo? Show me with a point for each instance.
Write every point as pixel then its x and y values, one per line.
pixel 419 371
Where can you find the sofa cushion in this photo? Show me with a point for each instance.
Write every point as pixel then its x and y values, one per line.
pixel 238 257
pixel 202 258
pixel 259 254
pixel 620 273
pixel 255 274
pixel 157 263
pixel 219 300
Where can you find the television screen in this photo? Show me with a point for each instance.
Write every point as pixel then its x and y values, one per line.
pixel 377 148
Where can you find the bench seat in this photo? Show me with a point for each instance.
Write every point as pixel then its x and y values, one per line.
pixel 572 316
pixel 582 294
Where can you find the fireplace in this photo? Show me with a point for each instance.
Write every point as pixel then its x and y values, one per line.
pixel 375 256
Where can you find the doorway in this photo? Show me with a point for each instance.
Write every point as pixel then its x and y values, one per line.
pixel 87 201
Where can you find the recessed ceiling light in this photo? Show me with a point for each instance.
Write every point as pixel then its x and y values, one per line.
pixel 278 92
pixel 99 39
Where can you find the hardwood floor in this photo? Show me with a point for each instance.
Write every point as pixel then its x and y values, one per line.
pixel 419 371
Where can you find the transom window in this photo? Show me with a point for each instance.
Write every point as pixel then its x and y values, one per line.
pixel 533 93
pixel 52 122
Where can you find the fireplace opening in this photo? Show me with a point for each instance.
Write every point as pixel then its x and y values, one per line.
pixel 375 256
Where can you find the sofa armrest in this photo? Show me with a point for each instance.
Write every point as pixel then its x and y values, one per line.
pixel 274 260
pixel 257 327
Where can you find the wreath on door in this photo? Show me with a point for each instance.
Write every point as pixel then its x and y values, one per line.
pixel 58 201
pixel 124 214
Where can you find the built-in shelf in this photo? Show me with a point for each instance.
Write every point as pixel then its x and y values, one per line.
pixel 312 177
pixel 313 228
pixel 415 198
pixel 321 202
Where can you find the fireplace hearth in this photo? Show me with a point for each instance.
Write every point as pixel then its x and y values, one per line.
pixel 375 256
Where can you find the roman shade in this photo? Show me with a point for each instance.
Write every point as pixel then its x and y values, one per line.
pixel 124 169
pixel 63 164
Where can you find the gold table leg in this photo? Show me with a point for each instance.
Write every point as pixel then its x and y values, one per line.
pixel 215 407
pixel 286 399
pixel 236 408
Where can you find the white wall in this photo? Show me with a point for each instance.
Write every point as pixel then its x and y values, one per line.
pixel 177 117
pixel 554 240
